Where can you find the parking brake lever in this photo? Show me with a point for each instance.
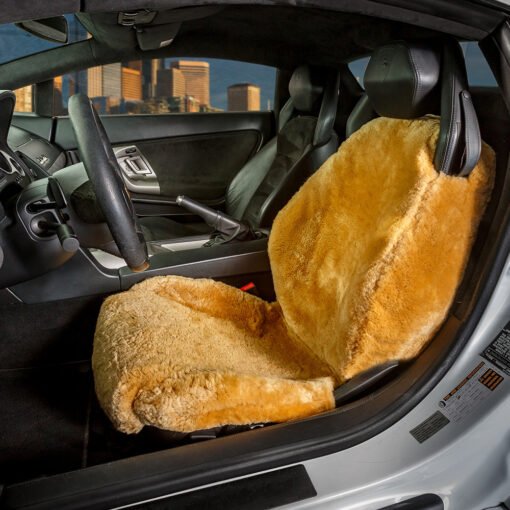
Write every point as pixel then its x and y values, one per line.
pixel 230 227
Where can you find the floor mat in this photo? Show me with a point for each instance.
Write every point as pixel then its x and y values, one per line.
pixel 52 423
pixel 44 420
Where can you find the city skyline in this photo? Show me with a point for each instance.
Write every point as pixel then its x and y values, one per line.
pixel 151 86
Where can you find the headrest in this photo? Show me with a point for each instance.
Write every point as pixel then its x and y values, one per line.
pixel 305 88
pixel 313 91
pixel 402 80
pixel 409 80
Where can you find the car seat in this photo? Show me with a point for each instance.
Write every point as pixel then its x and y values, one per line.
pixel 366 260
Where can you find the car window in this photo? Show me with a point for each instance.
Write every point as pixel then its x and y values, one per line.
pixel 171 85
pixel 478 70
pixel 358 68
pixel 24 99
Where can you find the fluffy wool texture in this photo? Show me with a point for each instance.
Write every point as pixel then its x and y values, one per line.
pixel 366 259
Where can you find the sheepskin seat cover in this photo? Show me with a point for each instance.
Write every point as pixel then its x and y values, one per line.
pixel 366 259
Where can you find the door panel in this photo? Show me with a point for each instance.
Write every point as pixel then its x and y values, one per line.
pixel 199 166
pixel 193 154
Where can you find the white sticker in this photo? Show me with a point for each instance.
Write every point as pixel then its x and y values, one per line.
pixel 473 389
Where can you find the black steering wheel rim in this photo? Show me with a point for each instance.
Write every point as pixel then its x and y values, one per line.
pixel 105 175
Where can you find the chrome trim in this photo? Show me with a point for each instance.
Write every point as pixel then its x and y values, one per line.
pixel 137 172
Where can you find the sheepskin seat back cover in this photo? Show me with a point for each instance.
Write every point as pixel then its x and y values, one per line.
pixel 366 259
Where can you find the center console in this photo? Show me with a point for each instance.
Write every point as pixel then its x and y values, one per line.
pixel 109 261
pixel 92 272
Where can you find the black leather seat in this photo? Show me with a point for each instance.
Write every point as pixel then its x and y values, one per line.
pixel 305 139
pixel 459 144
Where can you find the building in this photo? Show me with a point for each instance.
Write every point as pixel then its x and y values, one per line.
pixel 183 104
pixel 133 64
pixel 24 99
pixel 196 75
pixel 150 68
pixel 210 109
pixel 105 82
pixel 95 82
pixel 170 83
pixel 243 97
pixel 185 85
pixel 137 86
pixel 131 84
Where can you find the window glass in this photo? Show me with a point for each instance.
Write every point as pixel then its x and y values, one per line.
pixel 478 70
pixel 358 68
pixel 176 85
pixel 16 43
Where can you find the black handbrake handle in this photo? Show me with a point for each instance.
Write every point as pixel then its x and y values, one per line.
pixel 220 221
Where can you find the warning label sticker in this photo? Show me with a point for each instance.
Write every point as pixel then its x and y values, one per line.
pixel 461 400
pixel 472 390
pixel 498 352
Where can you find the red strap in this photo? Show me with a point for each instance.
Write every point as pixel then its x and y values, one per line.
pixel 247 287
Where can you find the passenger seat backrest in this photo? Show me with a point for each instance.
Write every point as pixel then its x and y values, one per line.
pixel 304 141
pixel 367 256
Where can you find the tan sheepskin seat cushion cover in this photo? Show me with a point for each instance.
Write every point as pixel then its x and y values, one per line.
pixel 366 259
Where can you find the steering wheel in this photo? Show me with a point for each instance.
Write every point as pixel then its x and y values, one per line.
pixel 105 175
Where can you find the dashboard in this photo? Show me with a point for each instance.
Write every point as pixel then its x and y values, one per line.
pixel 42 157
pixel 12 172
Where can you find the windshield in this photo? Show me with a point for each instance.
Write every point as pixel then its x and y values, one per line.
pixel 16 43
